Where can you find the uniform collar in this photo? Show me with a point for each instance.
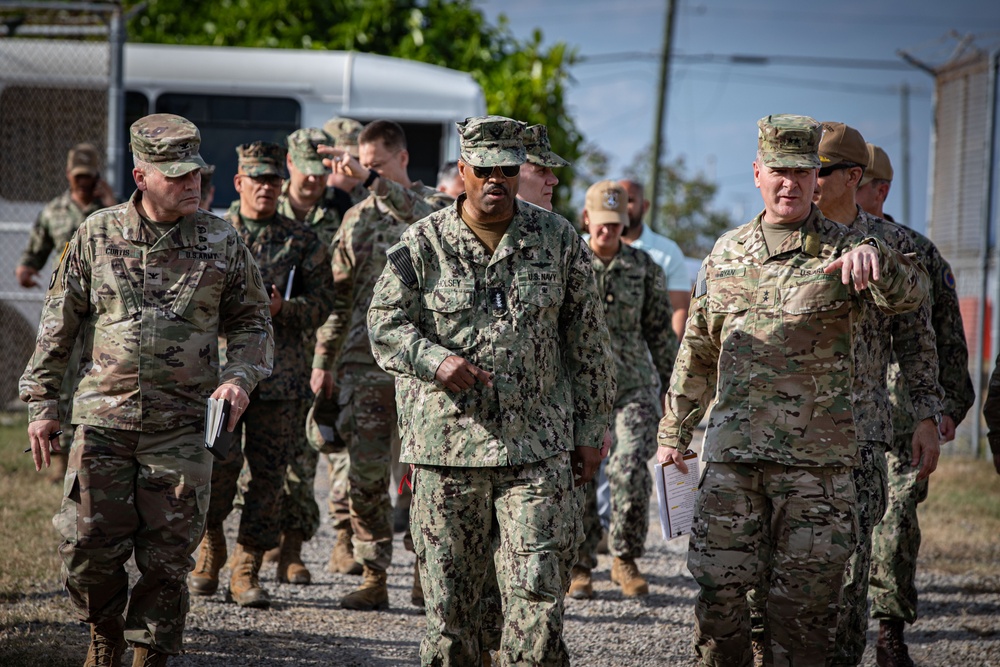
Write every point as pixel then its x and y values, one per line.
pixel 183 234
pixel 807 238
pixel 457 238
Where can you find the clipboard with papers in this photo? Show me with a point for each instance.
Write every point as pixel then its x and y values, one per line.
pixel 676 493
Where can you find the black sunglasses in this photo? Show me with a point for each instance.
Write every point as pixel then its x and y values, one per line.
pixel 508 170
pixel 826 171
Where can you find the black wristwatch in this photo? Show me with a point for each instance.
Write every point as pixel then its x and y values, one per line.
pixel 372 175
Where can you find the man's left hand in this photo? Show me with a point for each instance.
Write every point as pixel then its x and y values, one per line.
pixel 947 428
pixel 276 301
pixel 238 402
pixel 585 462
pixel 862 264
pixel 926 448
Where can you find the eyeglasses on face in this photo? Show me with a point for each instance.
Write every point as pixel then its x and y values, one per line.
pixel 826 171
pixel 508 171
pixel 267 179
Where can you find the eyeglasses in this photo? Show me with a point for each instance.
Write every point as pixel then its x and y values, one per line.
pixel 267 179
pixel 508 171
pixel 826 171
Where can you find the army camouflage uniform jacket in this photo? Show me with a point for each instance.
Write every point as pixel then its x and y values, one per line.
pixel 151 306
pixel 637 310
pixel 768 344
pixel 358 250
pixel 952 350
pixel 54 227
pixel 530 315
pixel 325 216
pixel 912 344
pixel 280 246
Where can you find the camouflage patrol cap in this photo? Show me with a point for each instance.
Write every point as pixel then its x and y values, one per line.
pixel 344 133
pixel 842 143
pixel 83 159
pixel 879 167
pixel 302 149
pixel 262 158
pixel 787 141
pixel 491 141
pixel 538 148
pixel 168 142
pixel 607 203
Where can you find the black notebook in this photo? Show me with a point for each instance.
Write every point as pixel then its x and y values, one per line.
pixel 217 438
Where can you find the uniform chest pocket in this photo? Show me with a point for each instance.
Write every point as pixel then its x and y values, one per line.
pixel 543 295
pixel 815 294
pixel 451 312
pixel 114 291
pixel 198 295
pixel 728 295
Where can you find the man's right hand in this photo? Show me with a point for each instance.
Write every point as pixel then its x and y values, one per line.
pixel 457 374
pixel 26 276
pixel 321 379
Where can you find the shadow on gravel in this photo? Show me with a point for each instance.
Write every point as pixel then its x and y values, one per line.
pixel 204 648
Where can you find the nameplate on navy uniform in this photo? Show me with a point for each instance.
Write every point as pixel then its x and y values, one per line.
pixel 540 276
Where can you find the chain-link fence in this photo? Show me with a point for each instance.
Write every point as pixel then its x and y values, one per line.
pixel 54 78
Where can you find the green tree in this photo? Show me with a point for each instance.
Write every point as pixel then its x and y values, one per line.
pixel 685 211
pixel 523 79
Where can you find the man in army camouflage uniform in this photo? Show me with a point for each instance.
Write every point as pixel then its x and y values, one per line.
pixel 896 538
pixel 307 198
pixel 482 304
pixel 344 133
pixel 768 349
pixel 537 180
pixel 207 188
pixel 637 309
pixel 343 356
pixel 52 230
pixel 910 339
pixel 293 264
pixel 149 286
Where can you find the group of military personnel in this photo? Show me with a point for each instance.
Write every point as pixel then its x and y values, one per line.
pixel 822 340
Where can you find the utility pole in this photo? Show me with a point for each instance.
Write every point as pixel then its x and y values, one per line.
pixel 661 111
pixel 904 138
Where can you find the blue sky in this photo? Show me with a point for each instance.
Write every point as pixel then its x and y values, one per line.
pixel 713 108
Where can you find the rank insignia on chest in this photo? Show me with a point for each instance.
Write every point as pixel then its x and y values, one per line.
pixel 497 299
pixel 154 276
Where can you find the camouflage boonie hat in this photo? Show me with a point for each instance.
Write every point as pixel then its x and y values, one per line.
pixel 538 148
pixel 262 158
pixel 492 141
pixel 842 143
pixel 787 141
pixel 168 142
pixel 607 203
pixel 344 133
pixel 879 166
pixel 83 159
pixel 302 149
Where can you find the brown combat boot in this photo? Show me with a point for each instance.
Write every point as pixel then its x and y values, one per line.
pixel 891 651
pixel 291 569
pixel 107 643
pixel 626 573
pixel 417 592
pixel 244 585
pixel 147 656
pixel 342 557
pixel 204 579
pixel 373 594
pixel 581 587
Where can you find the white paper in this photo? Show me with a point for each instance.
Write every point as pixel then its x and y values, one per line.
pixel 288 286
pixel 676 493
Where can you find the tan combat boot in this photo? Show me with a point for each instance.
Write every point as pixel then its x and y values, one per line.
pixel 107 643
pixel 625 573
pixel 581 587
pixel 371 596
pixel 204 579
pixel 291 569
pixel 342 557
pixel 891 651
pixel 147 656
pixel 244 585
pixel 417 592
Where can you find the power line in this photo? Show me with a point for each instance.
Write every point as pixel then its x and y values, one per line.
pixel 746 59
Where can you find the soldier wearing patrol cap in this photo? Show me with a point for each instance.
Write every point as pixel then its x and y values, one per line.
pixel 293 265
pixel 910 338
pixel 481 304
pixel 344 133
pixel 149 286
pixel 634 290
pixel 538 181
pixel 768 351
pixel 896 538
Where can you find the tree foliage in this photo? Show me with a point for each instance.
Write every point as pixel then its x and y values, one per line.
pixel 685 210
pixel 523 79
